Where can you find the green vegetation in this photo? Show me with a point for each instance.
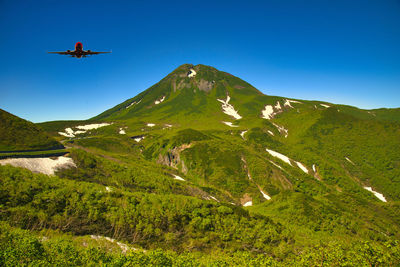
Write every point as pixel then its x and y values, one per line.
pixel 18 134
pixel 34 154
pixel 172 190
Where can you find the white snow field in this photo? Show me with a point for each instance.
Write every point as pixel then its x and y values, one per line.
pixel 268 112
pixel 229 123
pixel 287 160
pixel 279 156
pixel 288 103
pixel 314 168
pixel 109 189
pixel 138 139
pixel 214 198
pixel 264 195
pixel 82 129
pixel 378 195
pixel 248 204
pixel 122 131
pixel 41 165
pixel 276 165
pixel 176 177
pixel 349 160
pixel 133 103
pixel 242 133
pixel 281 129
pixel 302 167
pixel 192 73
pixel 325 106
pixel 228 108
pixel 92 126
pixel 150 124
pixel 159 101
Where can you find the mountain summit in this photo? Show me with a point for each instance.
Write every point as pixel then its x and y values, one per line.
pixel 189 91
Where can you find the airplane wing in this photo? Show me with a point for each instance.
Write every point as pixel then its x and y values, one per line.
pixel 94 53
pixel 61 53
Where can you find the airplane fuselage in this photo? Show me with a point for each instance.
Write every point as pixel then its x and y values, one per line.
pixel 78 52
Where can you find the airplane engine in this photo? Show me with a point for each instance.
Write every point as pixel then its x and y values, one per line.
pixel 89 51
pixel 68 51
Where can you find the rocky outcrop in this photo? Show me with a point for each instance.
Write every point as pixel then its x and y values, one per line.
pixel 173 158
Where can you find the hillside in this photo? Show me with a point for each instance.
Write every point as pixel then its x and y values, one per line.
pixel 17 134
pixel 211 171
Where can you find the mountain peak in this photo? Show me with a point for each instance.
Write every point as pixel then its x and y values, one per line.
pixel 188 89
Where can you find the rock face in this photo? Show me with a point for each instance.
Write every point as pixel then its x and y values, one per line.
pixel 206 85
pixel 173 158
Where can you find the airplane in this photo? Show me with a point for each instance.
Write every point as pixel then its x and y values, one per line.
pixel 78 52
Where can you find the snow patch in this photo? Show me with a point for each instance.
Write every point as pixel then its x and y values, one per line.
pixel 242 133
pixel 213 198
pixel 276 165
pixel 349 160
pixel 82 129
pixel 121 131
pixel 302 167
pixel 42 165
pixel 286 159
pixel 92 126
pixel 229 123
pixel 248 204
pixel 228 108
pixel 133 103
pixel 138 139
pixel 191 73
pixel 288 103
pixel 176 177
pixel 314 168
pixel 69 131
pixel 270 132
pixel 150 124
pixel 281 129
pixel 159 101
pixel 279 155
pixel 325 106
pixel 109 189
pixel 378 195
pixel 66 134
pixel 268 112
pixel 265 195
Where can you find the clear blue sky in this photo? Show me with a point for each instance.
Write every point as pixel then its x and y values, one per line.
pixel 337 51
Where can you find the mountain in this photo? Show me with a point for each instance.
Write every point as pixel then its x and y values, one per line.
pixel 18 134
pixel 204 164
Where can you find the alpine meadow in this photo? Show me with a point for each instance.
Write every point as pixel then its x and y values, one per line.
pixel 203 169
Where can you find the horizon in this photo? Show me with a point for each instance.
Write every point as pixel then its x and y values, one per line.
pixel 342 53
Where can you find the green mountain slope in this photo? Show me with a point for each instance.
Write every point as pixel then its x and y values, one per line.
pixel 203 163
pixel 19 134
